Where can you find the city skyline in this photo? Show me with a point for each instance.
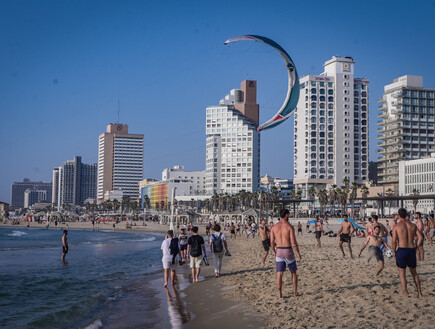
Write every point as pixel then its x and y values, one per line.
pixel 66 66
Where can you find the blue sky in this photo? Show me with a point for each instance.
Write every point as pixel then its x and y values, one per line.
pixel 65 64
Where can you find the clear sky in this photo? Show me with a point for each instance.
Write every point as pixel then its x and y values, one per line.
pixel 65 64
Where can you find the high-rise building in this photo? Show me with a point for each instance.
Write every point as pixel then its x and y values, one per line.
pixel 331 127
pixel 120 161
pixel 74 182
pixel 18 189
pixel 233 143
pixel 407 126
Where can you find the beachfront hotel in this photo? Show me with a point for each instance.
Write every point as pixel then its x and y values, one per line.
pixel 331 127
pixel 74 182
pixel 406 126
pixel 233 143
pixel 120 161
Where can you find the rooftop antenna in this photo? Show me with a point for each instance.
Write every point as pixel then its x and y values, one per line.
pixel 118 111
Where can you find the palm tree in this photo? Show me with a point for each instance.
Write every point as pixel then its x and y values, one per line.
pixel 116 205
pixel 342 200
pixel 415 202
pixel 389 192
pixel 147 202
pixel 333 195
pixel 364 193
pixel 323 199
pixel 311 196
pixel 353 195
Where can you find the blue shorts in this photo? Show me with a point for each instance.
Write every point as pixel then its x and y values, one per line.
pixel 383 248
pixel 406 257
pixel 282 262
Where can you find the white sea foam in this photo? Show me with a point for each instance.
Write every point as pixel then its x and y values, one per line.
pixel 17 233
pixel 95 325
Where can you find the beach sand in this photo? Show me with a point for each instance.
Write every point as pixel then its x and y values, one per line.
pixel 336 292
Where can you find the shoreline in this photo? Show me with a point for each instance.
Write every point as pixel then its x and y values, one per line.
pixel 185 308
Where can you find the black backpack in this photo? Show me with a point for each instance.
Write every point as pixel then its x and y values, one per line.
pixel 218 245
pixel 173 247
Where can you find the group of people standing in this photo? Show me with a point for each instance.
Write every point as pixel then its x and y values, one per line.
pixel 407 244
pixel 192 248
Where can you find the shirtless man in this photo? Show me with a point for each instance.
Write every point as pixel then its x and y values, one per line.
pixel 300 228
pixel 283 249
pixel 393 223
pixel 369 227
pixel 64 245
pixel 319 231
pixel 420 226
pixel 403 237
pixel 345 234
pixel 374 242
pixel 250 232
pixel 265 239
pixel 431 229
pixel 233 230
pixel 383 231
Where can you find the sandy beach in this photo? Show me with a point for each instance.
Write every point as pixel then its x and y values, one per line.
pixel 336 292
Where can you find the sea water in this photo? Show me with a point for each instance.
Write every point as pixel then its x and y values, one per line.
pixel 107 280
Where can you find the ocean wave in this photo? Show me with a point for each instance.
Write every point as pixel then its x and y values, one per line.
pixel 17 233
pixel 94 325
pixel 148 239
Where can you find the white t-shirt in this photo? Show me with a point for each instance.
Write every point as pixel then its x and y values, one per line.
pixel 167 257
pixel 216 235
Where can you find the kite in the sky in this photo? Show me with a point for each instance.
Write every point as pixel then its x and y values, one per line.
pixel 292 97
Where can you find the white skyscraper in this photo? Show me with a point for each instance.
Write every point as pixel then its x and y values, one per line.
pixel 407 125
pixel 331 127
pixel 120 161
pixel 233 143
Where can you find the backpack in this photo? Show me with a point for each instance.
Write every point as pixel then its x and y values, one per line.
pixel 195 247
pixel 218 245
pixel 173 247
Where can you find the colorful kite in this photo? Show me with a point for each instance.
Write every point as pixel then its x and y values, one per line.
pixel 292 97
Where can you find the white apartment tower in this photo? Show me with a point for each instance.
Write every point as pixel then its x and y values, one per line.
pixel 120 161
pixel 406 126
pixel 331 127
pixel 179 173
pixel 233 143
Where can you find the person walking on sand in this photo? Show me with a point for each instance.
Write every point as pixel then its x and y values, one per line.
pixel 64 245
pixel 420 226
pixel 182 238
pixel 233 230
pixel 345 234
pixel 265 239
pixel 374 243
pixel 168 257
pixel 284 246
pixel 300 229
pixel 218 242
pixel 319 231
pixel 404 250
pixel 196 251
